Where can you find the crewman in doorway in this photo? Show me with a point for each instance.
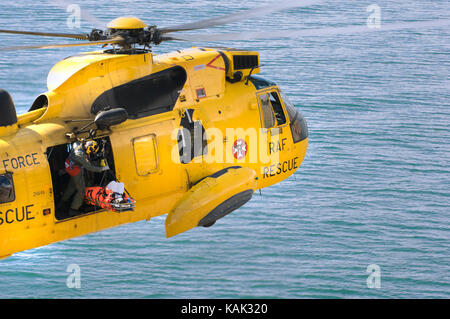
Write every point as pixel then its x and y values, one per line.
pixel 78 161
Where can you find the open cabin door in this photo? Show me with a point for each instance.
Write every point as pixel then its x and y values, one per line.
pixel 57 156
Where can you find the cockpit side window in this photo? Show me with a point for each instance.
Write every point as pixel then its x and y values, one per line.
pixel 7 193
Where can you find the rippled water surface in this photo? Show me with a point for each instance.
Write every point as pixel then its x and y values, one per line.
pixel 373 189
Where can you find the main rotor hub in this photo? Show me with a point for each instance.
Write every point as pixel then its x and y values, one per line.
pixel 131 30
pixel 127 23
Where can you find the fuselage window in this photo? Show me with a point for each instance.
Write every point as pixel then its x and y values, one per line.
pixel 154 94
pixel 7 193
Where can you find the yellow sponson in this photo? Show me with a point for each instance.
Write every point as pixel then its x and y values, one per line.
pixel 207 195
pixel 127 23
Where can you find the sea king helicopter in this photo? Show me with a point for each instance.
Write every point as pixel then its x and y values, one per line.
pixel 191 134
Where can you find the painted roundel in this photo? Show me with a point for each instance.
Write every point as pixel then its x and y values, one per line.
pixel 240 149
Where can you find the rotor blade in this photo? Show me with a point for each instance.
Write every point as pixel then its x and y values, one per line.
pixel 310 32
pixel 163 39
pixel 239 16
pixel 116 40
pixel 45 34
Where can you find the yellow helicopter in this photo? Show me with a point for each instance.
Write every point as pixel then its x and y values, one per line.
pixel 191 134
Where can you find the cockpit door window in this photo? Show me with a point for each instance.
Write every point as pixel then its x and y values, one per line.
pixel 271 110
pixel 266 110
pixel 277 108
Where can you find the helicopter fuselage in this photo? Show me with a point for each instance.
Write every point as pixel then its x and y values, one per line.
pixel 203 134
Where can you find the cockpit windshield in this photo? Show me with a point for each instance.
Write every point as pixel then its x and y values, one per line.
pixel 298 125
pixel 290 108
